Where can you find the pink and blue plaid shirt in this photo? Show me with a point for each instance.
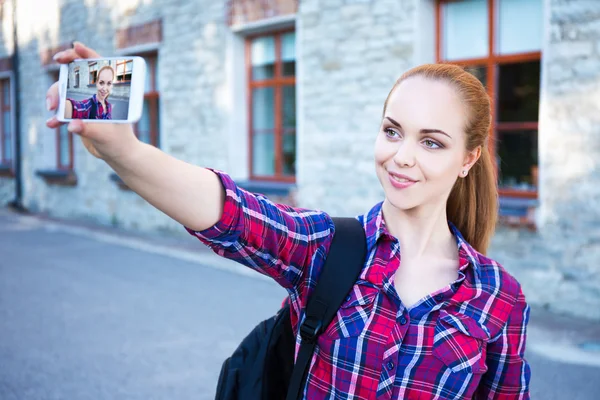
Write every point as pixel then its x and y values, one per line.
pixel 465 341
pixel 82 109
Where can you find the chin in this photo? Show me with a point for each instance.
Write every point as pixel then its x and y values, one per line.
pixel 403 204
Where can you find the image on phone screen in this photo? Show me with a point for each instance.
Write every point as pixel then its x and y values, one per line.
pixel 103 90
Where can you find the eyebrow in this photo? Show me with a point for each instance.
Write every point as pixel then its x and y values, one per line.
pixel 422 130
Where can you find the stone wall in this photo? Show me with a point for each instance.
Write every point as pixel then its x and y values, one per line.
pixel 190 60
pixel 559 265
pixel 352 52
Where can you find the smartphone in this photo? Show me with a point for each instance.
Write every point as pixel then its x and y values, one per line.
pixel 104 90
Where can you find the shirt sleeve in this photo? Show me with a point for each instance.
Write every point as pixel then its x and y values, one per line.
pixel 108 111
pixel 81 109
pixel 276 240
pixel 508 372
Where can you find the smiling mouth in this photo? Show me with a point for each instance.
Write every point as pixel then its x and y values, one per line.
pixel 401 180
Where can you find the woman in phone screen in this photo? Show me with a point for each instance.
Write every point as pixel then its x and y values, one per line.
pixel 97 106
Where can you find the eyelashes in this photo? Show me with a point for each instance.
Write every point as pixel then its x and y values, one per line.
pixel 431 144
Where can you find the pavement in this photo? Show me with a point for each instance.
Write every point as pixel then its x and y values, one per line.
pixel 92 312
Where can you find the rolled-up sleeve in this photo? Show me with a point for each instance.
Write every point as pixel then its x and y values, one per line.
pixel 508 372
pixel 276 240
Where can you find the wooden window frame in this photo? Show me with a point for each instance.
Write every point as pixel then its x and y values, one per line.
pixel 277 82
pixel 59 165
pixel 90 80
pixel 153 97
pixel 125 62
pixel 77 77
pixel 58 139
pixel 3 108
pixel 491 62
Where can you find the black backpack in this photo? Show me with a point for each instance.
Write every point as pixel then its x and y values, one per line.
pixel 93 111
pixel 262 367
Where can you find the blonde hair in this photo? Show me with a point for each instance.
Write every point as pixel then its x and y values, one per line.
pixel 112 70
pixel 473 203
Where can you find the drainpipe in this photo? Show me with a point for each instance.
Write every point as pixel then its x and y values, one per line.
pixel 17 203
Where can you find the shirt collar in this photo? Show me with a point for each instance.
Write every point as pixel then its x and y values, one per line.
pixel 375 229
pixel 95 100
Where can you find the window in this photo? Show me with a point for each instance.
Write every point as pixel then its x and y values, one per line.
pixel 76 77
pixel 272 110
pixel 64 139
pixel 499 41
pixel 93 68
pixel 6 143
pixel 147 128
pixel 124 69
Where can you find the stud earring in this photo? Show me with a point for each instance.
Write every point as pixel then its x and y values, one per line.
pixel 464 173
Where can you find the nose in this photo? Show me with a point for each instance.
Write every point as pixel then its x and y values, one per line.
pixel 405 155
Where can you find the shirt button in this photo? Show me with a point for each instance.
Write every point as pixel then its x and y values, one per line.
pixel 347 298
pixel 439 297
pixel 403 321
pixel 390 366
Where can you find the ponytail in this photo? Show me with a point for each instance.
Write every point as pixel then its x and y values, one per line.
pixel 473 203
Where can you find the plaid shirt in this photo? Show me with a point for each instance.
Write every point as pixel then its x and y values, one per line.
pixel 83 108
pixel 464 341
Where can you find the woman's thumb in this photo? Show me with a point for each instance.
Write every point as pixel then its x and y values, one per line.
pixel 76 126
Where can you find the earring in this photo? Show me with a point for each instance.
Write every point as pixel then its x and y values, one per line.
pixel 464 173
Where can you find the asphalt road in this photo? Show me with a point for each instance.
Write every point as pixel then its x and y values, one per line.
pixel 88 314
pixel 120 107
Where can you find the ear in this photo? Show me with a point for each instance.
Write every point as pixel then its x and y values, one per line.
pixel 470 159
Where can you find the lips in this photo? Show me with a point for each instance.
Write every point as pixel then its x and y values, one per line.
pixel 401 181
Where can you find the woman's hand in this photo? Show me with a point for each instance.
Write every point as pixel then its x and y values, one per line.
pixel 109 142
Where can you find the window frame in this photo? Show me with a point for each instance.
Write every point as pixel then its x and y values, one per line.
pixel 277 83
pixel 58 139
pixel 6 162
pixel 94 72
pixel 491 64
pixel 153 97
pixel 123 62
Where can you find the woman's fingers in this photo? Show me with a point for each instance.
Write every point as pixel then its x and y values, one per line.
pixel 78 51
pixel 53 123
pixel 84 52
pixel 52 97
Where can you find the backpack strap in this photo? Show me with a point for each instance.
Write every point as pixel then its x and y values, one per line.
pixel 94 111
pixel 342 268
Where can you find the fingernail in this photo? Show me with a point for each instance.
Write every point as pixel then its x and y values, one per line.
pixel 57 56
pixel 48 104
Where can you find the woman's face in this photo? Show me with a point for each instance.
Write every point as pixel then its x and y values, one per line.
pixel 420 148
pixel 104 84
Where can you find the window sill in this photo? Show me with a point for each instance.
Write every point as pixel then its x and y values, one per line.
pixel 517 212
pixel 268 188
pixel 117 179
pixel 58 177
pixel 6 171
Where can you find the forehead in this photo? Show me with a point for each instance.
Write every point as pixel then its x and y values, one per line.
pixel 106 74
pixel 420 103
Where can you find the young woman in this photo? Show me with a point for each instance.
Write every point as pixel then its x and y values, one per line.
pixel 97 106
pixel 430 317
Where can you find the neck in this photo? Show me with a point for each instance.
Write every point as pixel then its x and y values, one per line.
pixel 421 231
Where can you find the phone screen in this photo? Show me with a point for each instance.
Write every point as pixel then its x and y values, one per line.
pixel 99 89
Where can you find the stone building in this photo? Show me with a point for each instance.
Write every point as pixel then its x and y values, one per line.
pixel 287 97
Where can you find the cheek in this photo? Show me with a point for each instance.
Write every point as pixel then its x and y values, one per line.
pixel 383 150
pixel 439 168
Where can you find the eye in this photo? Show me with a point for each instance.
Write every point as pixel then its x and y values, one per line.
pixel 390 133
pixel 432 144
